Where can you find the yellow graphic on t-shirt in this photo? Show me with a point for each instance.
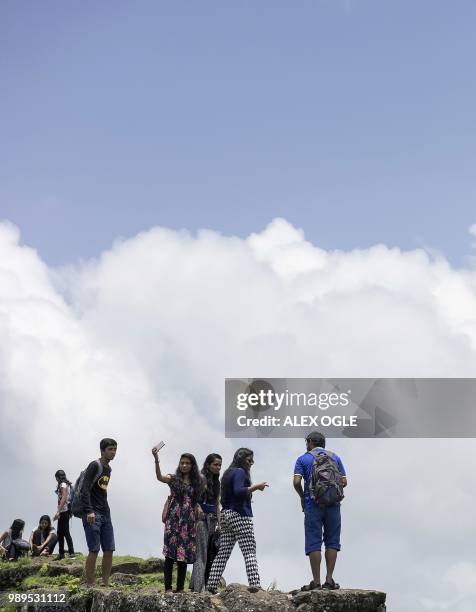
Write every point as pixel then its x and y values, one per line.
pixel 103 482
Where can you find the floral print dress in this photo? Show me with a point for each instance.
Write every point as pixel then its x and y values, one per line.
pixel 179 533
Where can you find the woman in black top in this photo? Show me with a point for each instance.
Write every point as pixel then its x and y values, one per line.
pixel 237 519
pixel 43 539
pixel 206 527
pixel 63 514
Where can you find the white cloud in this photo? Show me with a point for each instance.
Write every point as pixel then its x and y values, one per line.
pixel 136 345
pixel 462 578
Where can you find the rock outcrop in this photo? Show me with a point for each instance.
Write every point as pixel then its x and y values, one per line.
pixel 131 590
pixel 235 598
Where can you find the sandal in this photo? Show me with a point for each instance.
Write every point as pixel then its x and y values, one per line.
pixel 331 586
pixel 311 586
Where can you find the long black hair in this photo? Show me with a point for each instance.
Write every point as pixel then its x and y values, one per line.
pixel 212 492
pixel 61 477
pixel 45 517
pixel 238 461
pixel 195 478
pixel 17 527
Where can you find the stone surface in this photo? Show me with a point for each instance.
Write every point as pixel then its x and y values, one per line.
pixel 119 578
pixel 342 600
pixel 237 598
pixel 152 566
pixel 130 567
pixel 57 569
pixel 126 593
pixel 13 575
pixel 150 600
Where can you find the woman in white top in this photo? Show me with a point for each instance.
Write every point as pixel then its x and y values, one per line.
pixel 63 514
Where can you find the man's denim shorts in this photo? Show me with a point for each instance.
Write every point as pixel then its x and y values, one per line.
pixel 100 534
pixel 318 519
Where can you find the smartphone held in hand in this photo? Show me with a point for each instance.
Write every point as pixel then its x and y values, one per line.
pixel 158 446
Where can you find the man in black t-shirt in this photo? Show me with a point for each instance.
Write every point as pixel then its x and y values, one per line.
pixel 97 520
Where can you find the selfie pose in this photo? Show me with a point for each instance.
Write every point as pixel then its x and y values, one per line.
pixel 237 519
pixel 63 514
pixel 206 527
pixel 180 516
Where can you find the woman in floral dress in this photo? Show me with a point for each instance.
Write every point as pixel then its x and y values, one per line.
pixel 183 510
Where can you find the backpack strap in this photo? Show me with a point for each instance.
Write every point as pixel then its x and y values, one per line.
pixel 99 472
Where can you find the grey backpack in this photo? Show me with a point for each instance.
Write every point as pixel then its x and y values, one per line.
pixel 325 486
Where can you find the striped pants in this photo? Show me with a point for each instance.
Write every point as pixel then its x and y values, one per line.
pixel 235 528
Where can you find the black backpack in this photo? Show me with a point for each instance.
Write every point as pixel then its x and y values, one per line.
pixel 76 502
pixel 325 486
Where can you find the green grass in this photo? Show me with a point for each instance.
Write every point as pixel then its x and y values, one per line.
pixel 126 559
pixel 75 584
pixel 152 580
pixel 19 562
pixel 51 583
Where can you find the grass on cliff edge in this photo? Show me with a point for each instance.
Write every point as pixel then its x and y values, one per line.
pixel 40 580
pixel 80 558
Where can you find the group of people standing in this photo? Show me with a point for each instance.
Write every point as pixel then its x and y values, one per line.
pixel 199 508
pixel 204 515
pixel 43 539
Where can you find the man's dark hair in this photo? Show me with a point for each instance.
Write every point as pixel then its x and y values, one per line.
pixel 105 442
pixel 317 439
pixel 238 461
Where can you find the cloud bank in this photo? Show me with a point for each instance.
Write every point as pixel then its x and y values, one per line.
pixel 136 345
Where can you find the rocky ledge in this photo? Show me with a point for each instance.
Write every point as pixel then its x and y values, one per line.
pixel 136 587
pixel 234 598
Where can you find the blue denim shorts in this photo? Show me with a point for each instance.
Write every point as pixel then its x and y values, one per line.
pixel 321 523
pixel 100 534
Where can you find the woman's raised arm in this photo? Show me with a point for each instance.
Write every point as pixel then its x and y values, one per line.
pixel 166 478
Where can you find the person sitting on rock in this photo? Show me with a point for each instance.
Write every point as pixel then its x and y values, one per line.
pixel 183 509
pixel 43 539
pixel 237 520
pixel 12 545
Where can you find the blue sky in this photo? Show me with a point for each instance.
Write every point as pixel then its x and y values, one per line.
pixel 353 120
